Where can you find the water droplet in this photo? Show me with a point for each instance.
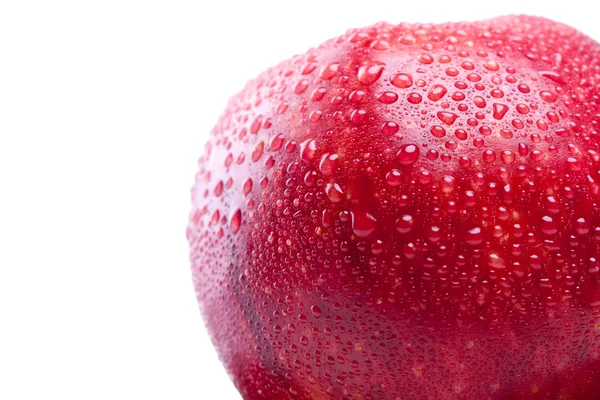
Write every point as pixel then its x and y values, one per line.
pixel 479 101
pixel 408 39
pixel 523 149
pixel 473 77
pixel 474 236
pixel 247 186
pixel 301 87
pixel 357 96
pixel 573 164
pixel 425 59
pixel 387 97
pixel 582 226
pixel 363 223
pixel 451 71
pixel 499 110
pixel 334 192
pixel 507 156
pixel 390 128
pixel 328 164
pixel 218 188
pixel 548 96
pixel 215 218
pixel 414 98
pixel 308 150
pixel 491 65
pixel 554 77
pixel 461 134
pixel 276 142
pixel 369 74
pixel 447 117
pixel 489 155
pixel 235 221
pixel 394 178
pixel 316 311
pixel 438 131
pixel 497 93
pixel 523 88
pixel 404 224
pixel 358 116
pixel 402 81
pixel 522 109
pixel 328 72
pixel 258 152
pixel 437 92
pixel 408 154
pixel 434 234
pixel 447 185
pixel 548 226
pixel 318 94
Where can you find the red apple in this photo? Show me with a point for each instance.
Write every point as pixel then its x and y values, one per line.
pixel 408 212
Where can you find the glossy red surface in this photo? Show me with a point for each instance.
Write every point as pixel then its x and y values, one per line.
pixel 408 212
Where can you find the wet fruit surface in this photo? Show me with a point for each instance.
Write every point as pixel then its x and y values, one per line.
pixel 408 212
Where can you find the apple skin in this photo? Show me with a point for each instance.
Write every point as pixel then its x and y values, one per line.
pixel 408 212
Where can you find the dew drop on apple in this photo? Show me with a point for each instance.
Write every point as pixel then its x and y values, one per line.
pixel 508 157
pixel 258 152
pixel 369 74
pixel 308 150
pixel 548 225
pixel 247 186
pixel 548 96
pixel 328 164
pixel 316 311
pixel 573 164
pixel 334 192
pixel 582 226
pixel 448 184
pixel 408 154
pixel 404 224
pixel 402 81
pixel 474 236
pixel 437 92
pixel 394 178
pixel 434 234
pixel 499 110
pixel 414 98
pixel 390 128
pixel 447 117
pixel 363 223
pixel 235 221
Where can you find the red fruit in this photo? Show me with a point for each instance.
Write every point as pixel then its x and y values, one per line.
pixel 409 212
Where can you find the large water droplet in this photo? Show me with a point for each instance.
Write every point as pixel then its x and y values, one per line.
pixel 447 117
pixel 474 236
pixel 499 110
pixel 394 178
pixel 437 92
pixel 308 150
pixel 334 192
pixel 363 223
pixel 404 224
pixel 369 74
pixel 328 164
pixel 402 81
pixel 329 71
pixel 258 152
pixel 235 221
pixel 247 186
pixel 408 154
pixel 548 226
pixel 316 311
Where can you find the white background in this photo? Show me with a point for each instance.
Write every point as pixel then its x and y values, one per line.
pixel 104 110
